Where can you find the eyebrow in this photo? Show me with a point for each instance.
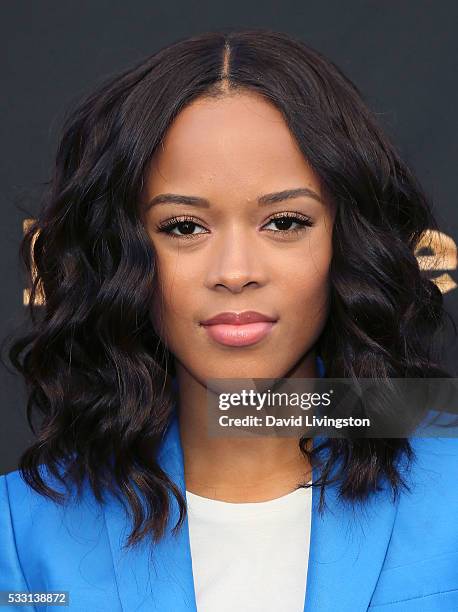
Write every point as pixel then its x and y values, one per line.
pixel 268 198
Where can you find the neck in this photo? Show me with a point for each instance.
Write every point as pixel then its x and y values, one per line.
pixel 237 469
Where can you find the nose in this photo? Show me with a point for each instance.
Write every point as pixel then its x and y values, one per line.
pixel 235 262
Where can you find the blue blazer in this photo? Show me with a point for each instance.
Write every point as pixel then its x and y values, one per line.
pixel 381 557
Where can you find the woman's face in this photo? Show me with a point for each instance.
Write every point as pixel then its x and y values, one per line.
pixel 231 248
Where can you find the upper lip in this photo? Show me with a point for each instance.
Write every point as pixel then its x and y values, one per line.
pixel 238 318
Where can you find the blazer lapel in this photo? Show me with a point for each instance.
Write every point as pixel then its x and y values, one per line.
pixel 347 549
pixel 348 544
pixel 155 577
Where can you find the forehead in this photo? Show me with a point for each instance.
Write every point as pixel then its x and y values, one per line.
pixel 238 140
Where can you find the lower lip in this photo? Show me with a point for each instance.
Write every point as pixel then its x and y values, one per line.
pixel 240 335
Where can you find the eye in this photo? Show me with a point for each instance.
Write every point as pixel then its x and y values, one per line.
pixel 185 226
pixel 285 220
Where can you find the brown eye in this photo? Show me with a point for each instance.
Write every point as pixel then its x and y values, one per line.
pixel 184 226
pixel 284 222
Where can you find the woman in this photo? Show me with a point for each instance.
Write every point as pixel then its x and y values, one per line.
pixel 234 174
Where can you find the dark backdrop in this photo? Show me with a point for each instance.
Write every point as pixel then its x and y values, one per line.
pixel 402 56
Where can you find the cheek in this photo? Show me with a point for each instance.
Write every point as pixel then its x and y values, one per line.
pixel 306 289
pixel 173 299
pixel 309 297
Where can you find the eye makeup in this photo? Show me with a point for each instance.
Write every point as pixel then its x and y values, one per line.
pixel 187 222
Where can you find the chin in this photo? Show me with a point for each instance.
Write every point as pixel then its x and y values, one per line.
pixel 245 371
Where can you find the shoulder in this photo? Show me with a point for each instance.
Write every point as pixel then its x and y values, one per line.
pixel 433 470
pixel 45 543
pixel 32 515
pixel 419 568
pixel 28 507
pixel 425 524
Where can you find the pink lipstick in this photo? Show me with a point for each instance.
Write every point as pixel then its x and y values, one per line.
pixel 239 329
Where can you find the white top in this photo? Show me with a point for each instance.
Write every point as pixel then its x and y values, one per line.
pixel 250 556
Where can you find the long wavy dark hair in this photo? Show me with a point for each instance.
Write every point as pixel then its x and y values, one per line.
pixel 96 371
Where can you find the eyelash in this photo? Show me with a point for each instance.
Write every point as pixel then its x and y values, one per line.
pixel 171 224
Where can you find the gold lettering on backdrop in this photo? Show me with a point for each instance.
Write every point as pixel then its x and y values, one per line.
pixel 39 299
pixel 441 257
pixel 441 249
